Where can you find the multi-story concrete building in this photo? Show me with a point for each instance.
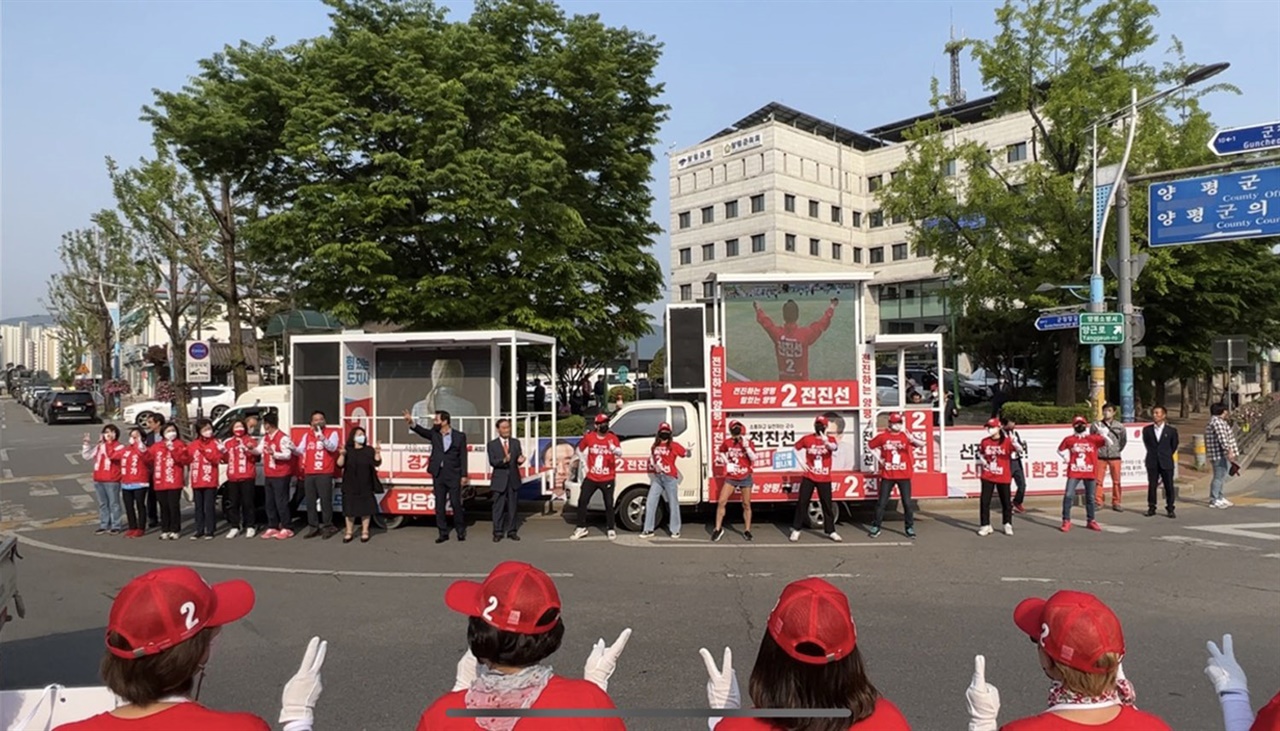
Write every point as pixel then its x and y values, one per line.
pixel 781 191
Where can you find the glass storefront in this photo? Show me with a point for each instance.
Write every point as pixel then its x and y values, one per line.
pixel 913 307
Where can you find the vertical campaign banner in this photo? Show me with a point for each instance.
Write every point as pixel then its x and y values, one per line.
pixel 718 424
pixel 357 388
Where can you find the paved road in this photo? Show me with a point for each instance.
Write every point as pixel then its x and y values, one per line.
pixel 922 609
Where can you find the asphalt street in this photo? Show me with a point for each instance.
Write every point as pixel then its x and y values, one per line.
pixel 923 608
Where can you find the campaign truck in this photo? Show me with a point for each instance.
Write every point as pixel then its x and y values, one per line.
pixel 774 351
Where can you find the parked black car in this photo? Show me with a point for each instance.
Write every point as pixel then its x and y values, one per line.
pixel 66 405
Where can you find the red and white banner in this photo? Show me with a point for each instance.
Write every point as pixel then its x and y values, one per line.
pixel 776 396
pixel 718 428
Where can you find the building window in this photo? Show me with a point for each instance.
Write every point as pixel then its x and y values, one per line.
pixel 709 214
pixel 731 209
pixel 1016 153
pixel 757 244
pixel 815 247
pixel 857 255
pixel 837 251
pixel 899 252
pixel 757 203
pixel 708 289
pixel 874 183
pixel 791 242
pixel 708 252
pixel 855 218
pixel 686 292
pixel 877 255
pixel 813 209
pixel 731 248
pixel 686 220
pixel 686 255
pixel 899 218
pixel 789 203
pixel 949 168
pixel 877 219
pixel 837 215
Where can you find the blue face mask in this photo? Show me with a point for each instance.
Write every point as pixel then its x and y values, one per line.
pixel 359 439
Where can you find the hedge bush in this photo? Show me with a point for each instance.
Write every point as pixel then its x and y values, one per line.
pixel 628 394
pixel 1024 412
pixel 570 426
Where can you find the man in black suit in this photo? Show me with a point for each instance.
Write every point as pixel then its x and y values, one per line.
pixel 1161 441
pixel 448 469
pixel 505 457
pixel 152 424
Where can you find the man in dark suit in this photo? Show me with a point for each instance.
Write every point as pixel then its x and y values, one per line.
pixel 1161 441
pixel 152 424
pixel 448 469
pixel 505 457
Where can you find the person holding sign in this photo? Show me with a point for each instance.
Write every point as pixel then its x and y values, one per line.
pixel 791 341
pixel 897 464
pixel 601 450
pixel 995 457
pixel 664 481
pixel 815 451
pixel 738 455
pixel 1080 450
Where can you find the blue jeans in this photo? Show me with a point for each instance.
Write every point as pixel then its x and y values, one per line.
pixel 110 505
pixel 668 487
pixel 1074 483
pixel 1220 468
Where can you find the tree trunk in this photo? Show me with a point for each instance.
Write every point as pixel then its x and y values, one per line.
pixel 1195 395
pixel 1161 391
pixel 1184 400
pixel 239 367
pixel 1068 355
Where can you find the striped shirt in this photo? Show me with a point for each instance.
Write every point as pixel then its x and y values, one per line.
pixel 1219 440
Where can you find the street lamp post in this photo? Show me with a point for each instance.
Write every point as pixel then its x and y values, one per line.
pixel 1117 195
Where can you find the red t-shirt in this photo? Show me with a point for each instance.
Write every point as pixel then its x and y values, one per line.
pixel 1130 719
pixel 559 693
pixel 738 457
pixel 815 452
pixel 1083 460
pixel 996 456
pixel 791 343
pixel 886 717
pixel 896 461
pixel 600 452
pixel 1268 718
pixel 185 716
pixel 664 457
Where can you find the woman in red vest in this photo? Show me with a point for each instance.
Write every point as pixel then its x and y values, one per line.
pixel 106 478
pixel 242 452
pixel 206 455
pixel 169 457
pixel 135 482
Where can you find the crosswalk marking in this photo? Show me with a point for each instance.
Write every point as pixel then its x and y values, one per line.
pixel 72 457
pixel 1202 542
pixel 1241 530
pixel 82 502
pixel 42 489
pixel 1081 522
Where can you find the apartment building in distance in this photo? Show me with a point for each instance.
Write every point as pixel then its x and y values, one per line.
pixel 782 191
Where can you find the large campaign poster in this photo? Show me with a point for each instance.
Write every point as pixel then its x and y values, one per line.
pixel 777 470
pixel 790 346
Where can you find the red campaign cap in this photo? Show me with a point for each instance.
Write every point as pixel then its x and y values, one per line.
pixel 821 420
pixel 895 418
pixel 168 606
pixel 664 426
pixel 512 598
pixel 602 419
pixel 1073 627
pixel 815 613
pixel 993 423
pixel 737 423
pixel 1079 420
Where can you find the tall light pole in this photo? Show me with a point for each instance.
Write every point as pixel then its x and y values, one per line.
pixel 1102 208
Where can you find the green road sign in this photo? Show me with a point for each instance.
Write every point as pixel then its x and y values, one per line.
pixel 622 374
pixel 1101 328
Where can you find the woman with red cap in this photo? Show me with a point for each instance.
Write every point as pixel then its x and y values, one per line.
pixel 738 455
pixel 808 659
pixel 514 625
pixel 664 481
pixel 1081 647
pixel 601 451
pixel 995 458
pixel 815 451
pixel 1232 685
pixel 893 450
pixel 1080 451
pixel 159 638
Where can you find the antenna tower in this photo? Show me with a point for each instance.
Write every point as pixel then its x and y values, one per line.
pixel 956 96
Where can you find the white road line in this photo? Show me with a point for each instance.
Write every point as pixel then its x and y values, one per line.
pixel 1027 579
pixel 770 575
pixel 71 458
pixel 82 502
pixel 4 455
pixel 26 541
pixel 1271 555
pixel 1203 543
pixel 1105 527
pixel 42 489
pixel 8 473
pixel 701 545
pixel 86 484
pixel 1239 530
pixel 1272 506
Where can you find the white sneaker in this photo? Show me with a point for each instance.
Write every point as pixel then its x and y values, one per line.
pixel 647 534
pixel 1226 503
pixel 834 536
pixel 1008 529
pixel 1215 504
pixel 675 535
pixel 579 533
pixel 250 532
pixel 613 534
pixel 795 536
pixel 985 530
pixel 233 533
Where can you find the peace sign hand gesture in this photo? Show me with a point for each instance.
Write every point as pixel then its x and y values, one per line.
pixel 604 660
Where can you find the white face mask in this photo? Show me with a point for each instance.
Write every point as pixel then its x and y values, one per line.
pixel 169 436
pixel 359 439
pixel 995 432
pixel 896 427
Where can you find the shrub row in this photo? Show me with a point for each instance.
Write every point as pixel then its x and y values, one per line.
pixel 1023 412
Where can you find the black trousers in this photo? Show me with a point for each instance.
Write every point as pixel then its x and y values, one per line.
pixel 318 488
pixel 206 499
pixel 504 511
pixel 589 488
pixel 170 510
pixel 1019 479
pixel 241 513
pixel 904 494
pixel 452 490
pixel 807 486
pixel 984 509
pixel 135 506
pixel 1154 476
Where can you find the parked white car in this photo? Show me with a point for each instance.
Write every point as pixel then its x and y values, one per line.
pixel 216 399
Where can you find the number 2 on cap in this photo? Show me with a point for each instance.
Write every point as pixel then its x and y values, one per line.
pixel 488 610
pixel 188 612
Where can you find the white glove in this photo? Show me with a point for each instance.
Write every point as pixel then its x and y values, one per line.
pixel 298 701
pixel 722 684
pixel 468 667
pixel 603 660
pixel 983 699
pixel 1223 670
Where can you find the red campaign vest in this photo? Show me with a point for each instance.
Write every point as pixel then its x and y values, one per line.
pixel 241 463
pixel 205 459
pixel 135 466
pixel 316 460
pixel 271 466
pixel 167 471
pixel 815 452
pixel 106 462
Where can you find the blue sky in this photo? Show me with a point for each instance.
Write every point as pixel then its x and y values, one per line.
pixel 74 73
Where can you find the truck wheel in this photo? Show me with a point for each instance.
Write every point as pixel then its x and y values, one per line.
pixel 631 507
pixel 387 521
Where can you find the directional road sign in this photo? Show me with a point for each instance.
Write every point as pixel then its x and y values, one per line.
pixel 1242 140
pixel 1101 328
pixel 1064 321
pixel 199 367
pixel 1229 206
pixel 622 374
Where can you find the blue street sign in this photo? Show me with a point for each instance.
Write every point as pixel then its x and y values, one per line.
pixel 1241 140
pixel 1229 206
pixel 971 222
pixel 199 350
pixel 1068 321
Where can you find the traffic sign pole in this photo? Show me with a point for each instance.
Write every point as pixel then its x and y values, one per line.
pixel 1125 300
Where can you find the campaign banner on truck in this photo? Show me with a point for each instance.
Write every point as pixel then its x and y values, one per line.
pixel 1045 470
